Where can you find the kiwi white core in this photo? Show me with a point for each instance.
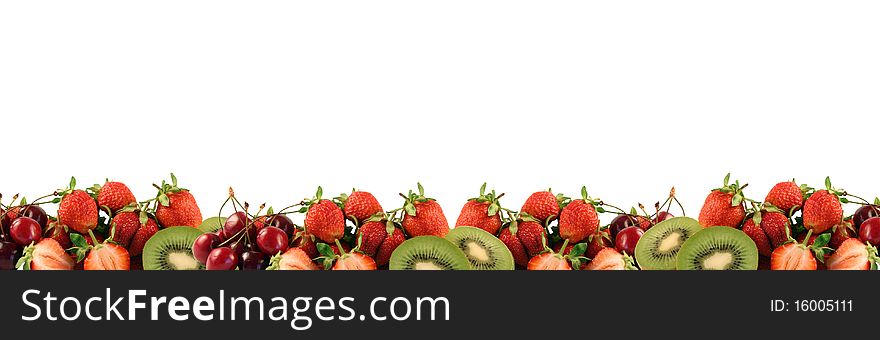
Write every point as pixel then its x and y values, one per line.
pixel 670 242
pixel 182 260
pixel 718 261
pixel 426 266
pixel 477 252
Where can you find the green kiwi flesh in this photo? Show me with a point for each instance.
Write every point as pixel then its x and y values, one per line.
pixel 658 248
pixel 212 224
pixel 171 249
pixel 484 251
pixel 718 248
pixel 428 253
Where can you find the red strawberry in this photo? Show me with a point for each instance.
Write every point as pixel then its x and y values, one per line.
pixel 140 238
pixel 579 219
pixel 549 261
pixel 114 195
pixel 769 229
pixel 293 259
pixel 611 259
pixel 125 225
pixel 530 234
pixel 567 252
pixel 58 232
pixel 423 216
pixel 359 205
pixel 107 256
pixel 77 210
pixel 842 232
pixel 853 255
pixel 599 240
pixel 543 205
pixel 379 239
pixel 45 255
pixel 823 209
pixel 787 196
pixel 324 219
pixel 177 206
pixel 517 249
pixel 724 206
pixel 345 260
pixel 644 222
pixel 306 242
pixel 799 256
pixel 482 212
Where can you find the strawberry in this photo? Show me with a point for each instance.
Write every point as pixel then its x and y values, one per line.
pixel 125 225
pixel 579 218
pixel 379 239
pixel 177 206
pixel 543 205
pixel 359 205
pixel 305 241
pixel 769 229
pixel 597 241
pixel 45 255
pixel 482 212
pixel 822 209
pixel 842 232
pixel 611 259
pixel 140 238
pixel 550 260
pixel 724 206
pixel 77 210
pixel 58 232
pixel 324 219
pixel 800 256
pixel 787 196
pixel 113 195
pixel 105 256
pixel 354 260
pixel 423 215
pixel 292 259
pixel 853 255
pixel 517 249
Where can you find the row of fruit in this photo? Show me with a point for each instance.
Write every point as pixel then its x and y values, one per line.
pixel 105 227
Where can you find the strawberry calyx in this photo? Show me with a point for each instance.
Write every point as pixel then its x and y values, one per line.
pixel 167 188
pixel 411 198
pixel 574 257
pixel 27 255
pixel 734 188
pixel 491 198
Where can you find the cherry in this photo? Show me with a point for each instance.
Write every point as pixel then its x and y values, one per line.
pixel 272 240
pixel 239 246
pixel 9 254
pixel 223 258
pixel 662 216
pixel 282 222
pixel 24 231
pixel 203 246
pixel 864 213
pixel 626 240
pixel 253 260
pixel 235 224
pixel 870 231
pixel 621 222
pixel 37 214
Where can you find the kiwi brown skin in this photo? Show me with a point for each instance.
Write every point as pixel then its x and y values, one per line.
pixel 718 248
pixel 658 248
pixel 171 249
pixel 483 250
pixel 428 253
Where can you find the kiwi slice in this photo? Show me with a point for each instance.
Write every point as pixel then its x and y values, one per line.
pixel 171 249
pixel 658 247
pixel 718 248
pixel 212 224
pixel 483 250
pixel 428 253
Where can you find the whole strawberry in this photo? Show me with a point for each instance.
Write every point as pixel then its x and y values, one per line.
pixel 305 241
pixel 324 219
pixel 579 219
pixel 517 249
pixel 423 215
pixel 359 205
pixel 724 206
pixel 59 233
pixel 126 224
pixel 140 238
pixel 543 205
pixel 823 209
pixel 524 237
pixel 482 212
pixel 177 206
pixel 379 238
pixel 787 196
pixel 769 230
pixel 597 241
pixel 113 195
pixel 77 210
pixel 841 232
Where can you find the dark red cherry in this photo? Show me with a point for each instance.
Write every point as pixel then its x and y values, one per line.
pixel 203 246
pixel 24 231
pixel 222 258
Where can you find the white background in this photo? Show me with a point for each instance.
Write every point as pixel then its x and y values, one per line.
pixel 277 97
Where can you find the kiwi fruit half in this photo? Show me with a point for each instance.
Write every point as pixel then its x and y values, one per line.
pixel 171 249
pixel 428 253
pixel 718 248
pixel 658 247
pixel 483 250
pixel 212 224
